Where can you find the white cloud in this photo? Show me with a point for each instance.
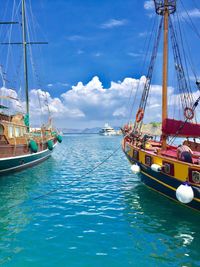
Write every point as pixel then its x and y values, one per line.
pixel 99 103
pixel 75 38
pixel 13 103
pixel 193 13
pixel 98 54
pixel 149 5
pixel 131 54
pixel 80 52
pixel 113 23
pixel 143 34
pixel 63 84
pixel 56 107
pixel 86 103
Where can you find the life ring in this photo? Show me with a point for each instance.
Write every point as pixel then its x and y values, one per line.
pixel 139 115
pixel 189 113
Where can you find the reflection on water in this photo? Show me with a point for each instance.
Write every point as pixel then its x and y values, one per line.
pixel 171 230
pixel 15 195
pixel 107 218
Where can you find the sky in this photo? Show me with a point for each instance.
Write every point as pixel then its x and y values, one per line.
pixel 94 62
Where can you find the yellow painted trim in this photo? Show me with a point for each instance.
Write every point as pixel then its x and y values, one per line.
pixel 181 169
pixel 158 181
pixel 170 187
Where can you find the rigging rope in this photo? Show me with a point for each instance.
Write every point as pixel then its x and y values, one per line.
pixel 59 188
pixel 192 24
pixel 183 124
pixel 153 27
pixel 143 102
pixel 182 82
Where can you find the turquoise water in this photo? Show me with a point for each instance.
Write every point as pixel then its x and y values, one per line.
pixel 107 218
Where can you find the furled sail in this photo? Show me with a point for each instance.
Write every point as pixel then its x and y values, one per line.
pixel 180 128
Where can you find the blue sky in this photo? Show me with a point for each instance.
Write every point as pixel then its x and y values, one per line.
pixel 105 39
pixel 91 38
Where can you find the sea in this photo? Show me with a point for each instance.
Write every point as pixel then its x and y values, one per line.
pixel 83 207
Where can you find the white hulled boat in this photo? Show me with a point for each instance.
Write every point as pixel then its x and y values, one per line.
pixel 107 130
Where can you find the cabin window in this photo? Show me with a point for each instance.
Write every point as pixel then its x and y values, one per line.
pixel 21 131
pixel 194 176
pixel 168 168
pixel 17 131
pixel 10 131
pixel 127 147
pixel 135 154
pixel 1 129
pixel 148 160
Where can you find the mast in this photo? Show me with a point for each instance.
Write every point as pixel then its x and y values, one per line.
pixel 24 43
pixel 25 59
pixel 165 8
pixel 165 71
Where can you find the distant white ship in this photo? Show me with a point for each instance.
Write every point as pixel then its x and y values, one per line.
pixel 107 130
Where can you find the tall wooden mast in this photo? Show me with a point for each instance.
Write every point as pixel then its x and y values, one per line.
pixel 165 8
pixel 24 42
pixel 165 70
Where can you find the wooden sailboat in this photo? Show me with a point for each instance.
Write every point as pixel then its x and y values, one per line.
pixel 171 170
pixel 19 146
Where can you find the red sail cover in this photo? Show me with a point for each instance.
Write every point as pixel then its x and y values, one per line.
pixel 180 128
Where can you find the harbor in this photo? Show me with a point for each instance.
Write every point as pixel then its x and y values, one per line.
pixel 99 219
pixel 99 133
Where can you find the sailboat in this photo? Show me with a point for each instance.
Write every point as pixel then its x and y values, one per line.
pixel 20 145
pixel 168 168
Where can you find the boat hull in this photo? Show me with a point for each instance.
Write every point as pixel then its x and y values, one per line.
pixel 18 163
pixel 108 134
pixel 164 184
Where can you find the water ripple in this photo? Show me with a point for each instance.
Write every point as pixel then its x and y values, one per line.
pixel 106 218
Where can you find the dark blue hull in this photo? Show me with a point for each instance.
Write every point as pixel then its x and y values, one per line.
pixel 165 184
pixel 11 164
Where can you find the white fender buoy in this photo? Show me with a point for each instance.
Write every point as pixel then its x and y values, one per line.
pixel 184 193
pixel 135 168
pixel 156 167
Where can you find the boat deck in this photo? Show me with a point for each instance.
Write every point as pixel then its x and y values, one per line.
pixel 154 148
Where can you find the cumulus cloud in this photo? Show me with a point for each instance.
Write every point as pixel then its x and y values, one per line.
pixel 42 101
pixel 149 5
pixel 113 23
pixel 91 102
pixel 13 102
pixel 98 103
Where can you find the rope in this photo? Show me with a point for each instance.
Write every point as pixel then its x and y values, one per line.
pixel 192 24
pixel 60 188
pixel 182 126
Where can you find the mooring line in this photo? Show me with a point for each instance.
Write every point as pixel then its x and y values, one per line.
pixel 60 188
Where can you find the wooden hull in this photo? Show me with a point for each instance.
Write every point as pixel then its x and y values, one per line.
pixel 160 181
pixel 18 163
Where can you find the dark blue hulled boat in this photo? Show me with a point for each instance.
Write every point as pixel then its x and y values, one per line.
pixel 171 170
pixel 20 145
